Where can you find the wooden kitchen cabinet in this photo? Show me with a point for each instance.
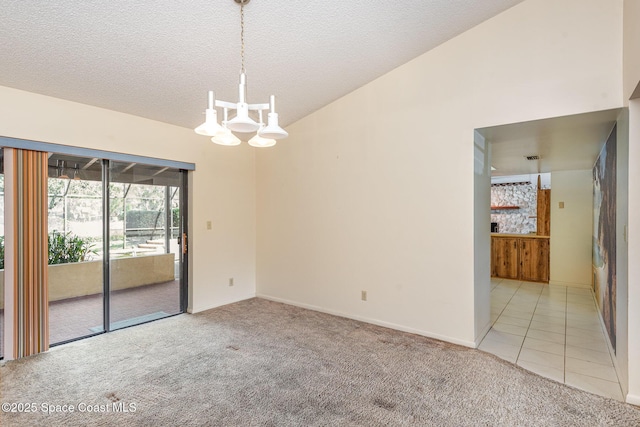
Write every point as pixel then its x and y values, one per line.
pixel 520 257
pixel 504 257
pixel 534 260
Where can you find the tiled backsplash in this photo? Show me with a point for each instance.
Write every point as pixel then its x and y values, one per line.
pixel 517 221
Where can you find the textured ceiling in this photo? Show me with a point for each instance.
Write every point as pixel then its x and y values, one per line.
pixel 158 58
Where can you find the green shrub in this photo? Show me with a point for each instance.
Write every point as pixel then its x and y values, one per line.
pixel 65 248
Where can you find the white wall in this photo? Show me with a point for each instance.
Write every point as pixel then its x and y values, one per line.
pixel 222 187
pixel 571 228
pixel 376 191
pixel 481 239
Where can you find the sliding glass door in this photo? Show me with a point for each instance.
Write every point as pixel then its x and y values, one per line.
pixel 115 256
pixel 75 247
pixel 144 250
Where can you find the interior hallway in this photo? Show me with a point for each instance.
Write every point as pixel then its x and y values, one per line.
pixel 554 331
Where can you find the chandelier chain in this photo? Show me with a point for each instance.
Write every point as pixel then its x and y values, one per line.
pixel 242 34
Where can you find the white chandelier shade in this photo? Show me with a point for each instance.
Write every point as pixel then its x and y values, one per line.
pixel 259 141
pixel 210 127
pixel 242 122
pixel 224 135
pixel 272 130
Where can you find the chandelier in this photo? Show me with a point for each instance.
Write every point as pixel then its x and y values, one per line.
pixel 223 134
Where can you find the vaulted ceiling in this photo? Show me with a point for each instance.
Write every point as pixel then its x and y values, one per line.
pixel 158 58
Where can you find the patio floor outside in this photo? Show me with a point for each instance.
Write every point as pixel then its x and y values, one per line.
pixel 81 316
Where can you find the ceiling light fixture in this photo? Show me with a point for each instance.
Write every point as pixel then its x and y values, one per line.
pixel 242 122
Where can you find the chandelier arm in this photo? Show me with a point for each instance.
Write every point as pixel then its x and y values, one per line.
pixel 258 107
pixel 233 105
pixel 225 104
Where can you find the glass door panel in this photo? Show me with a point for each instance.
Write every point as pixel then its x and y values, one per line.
pixel 144 254
pixel 75 248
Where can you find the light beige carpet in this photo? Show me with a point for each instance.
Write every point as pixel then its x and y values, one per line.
pixel 260 363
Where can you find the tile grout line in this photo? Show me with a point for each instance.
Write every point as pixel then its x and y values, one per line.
pixel 588 361
pixel 565 292
pixel 606 337
pixel 530 320
pixel 505 306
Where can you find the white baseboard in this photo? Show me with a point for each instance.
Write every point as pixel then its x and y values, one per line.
pixel 198 309
pixel 571 284
pixel 382 323
pixel 633 399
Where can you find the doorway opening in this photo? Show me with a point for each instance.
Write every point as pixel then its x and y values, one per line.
pixel 555 329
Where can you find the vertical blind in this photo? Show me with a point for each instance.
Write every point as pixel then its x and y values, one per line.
pixel 31 302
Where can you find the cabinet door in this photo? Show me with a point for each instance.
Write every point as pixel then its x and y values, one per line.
pixel 504 257
pixel 534 260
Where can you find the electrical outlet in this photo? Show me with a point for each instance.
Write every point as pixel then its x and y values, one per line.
pixel 208 225
pixel 231 281
pixel 561 205
pixel 364 295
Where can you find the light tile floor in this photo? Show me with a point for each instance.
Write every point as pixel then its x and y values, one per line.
pixel 553 331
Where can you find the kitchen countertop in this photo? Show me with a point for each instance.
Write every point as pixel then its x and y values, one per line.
pixel 526 236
